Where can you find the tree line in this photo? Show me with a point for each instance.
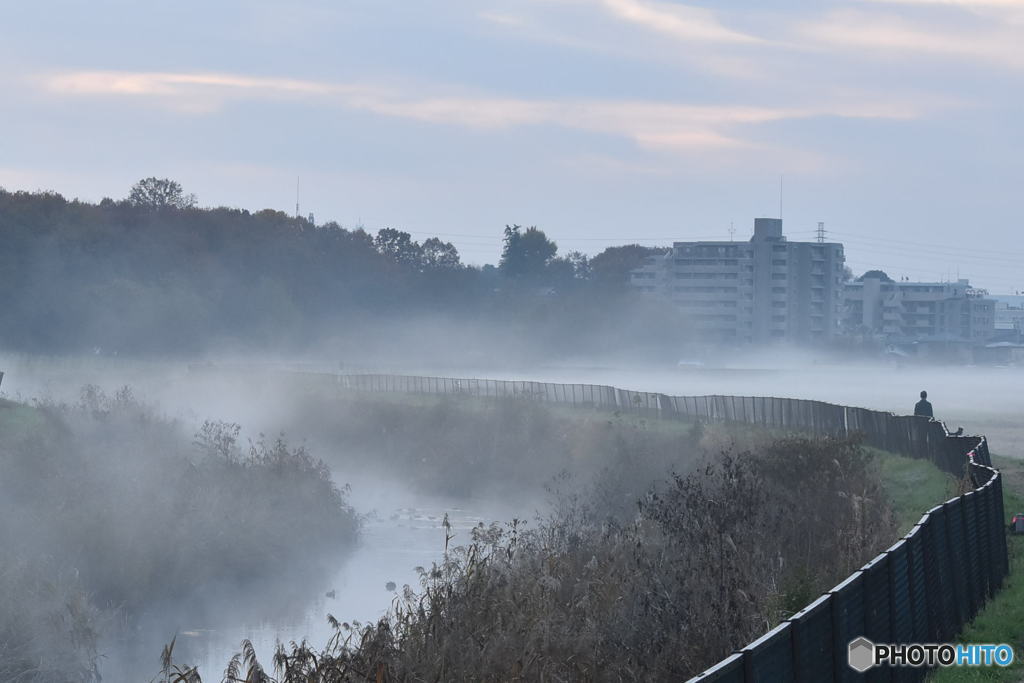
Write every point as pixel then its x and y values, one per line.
pixel 156 273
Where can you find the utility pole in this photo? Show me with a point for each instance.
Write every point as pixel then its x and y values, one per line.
pixel 732 231
pixel 297 214
pixel 821 231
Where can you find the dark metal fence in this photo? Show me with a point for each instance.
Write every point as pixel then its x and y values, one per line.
pixel 923 589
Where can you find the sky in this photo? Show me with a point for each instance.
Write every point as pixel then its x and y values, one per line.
pixel 895 122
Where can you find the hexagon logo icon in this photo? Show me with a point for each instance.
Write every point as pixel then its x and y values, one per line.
pixel 861 654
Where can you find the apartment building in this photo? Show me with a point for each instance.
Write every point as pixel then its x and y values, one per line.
pixel 1009 314
pixel 766 289
pixel 902 312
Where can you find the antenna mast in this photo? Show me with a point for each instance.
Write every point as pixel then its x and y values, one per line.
pixel 297 214
pixel 732 231
pixel 780 196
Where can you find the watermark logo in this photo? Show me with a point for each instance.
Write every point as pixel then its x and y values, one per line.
pixel 862 654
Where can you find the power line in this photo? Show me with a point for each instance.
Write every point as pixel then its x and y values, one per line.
pixel 925 246
pixel 929 244
pixel 988 261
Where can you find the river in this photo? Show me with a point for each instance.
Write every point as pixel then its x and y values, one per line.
pixel 402 530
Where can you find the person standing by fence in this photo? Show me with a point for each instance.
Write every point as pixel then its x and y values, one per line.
pixel 923 407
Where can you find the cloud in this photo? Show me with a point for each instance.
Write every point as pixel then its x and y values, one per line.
pixel 658 125
pixel 141 83
pixel 197 92
pixel 987 32
pixel 678 21
pixel 500 18
pixel 890 34
pixel 1011 4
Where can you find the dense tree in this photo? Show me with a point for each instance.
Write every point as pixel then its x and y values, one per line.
pixel 580 264
pixel 116 277
pixel 877 274
pixel 569 270
pixel 160 193
pixel 526 254
pixel 399 246
pixel 440 255
pixel 612 265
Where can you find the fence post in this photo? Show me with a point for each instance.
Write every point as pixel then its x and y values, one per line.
pixel 958 562
pixel 917 582
pixel 812 641
pixel 975 574
pixel 847 622
pixel 1004 556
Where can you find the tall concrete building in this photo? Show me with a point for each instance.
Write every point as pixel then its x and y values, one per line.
pixel 903 312
pixel 766 289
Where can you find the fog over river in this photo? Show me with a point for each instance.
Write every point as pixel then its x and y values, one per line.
pixel 402 528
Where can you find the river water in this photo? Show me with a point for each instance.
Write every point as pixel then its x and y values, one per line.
pixel 402 530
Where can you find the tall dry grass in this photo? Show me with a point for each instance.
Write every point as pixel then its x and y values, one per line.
pixel 702 565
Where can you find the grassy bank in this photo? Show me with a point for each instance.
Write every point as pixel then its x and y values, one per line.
pixel 913 486
pixel 1002 619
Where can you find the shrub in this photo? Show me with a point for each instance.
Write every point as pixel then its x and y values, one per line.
pixel 107 508
pixel 700 568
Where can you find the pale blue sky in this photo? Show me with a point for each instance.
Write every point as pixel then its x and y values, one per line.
pixel 897 122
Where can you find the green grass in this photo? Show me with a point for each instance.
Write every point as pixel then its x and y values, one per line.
pixel 18 420
pixel 914 487
pixel 1002 620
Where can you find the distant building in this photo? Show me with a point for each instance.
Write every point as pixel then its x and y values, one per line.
pixel 1009 317
pixel 766 289
pixel 906 312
